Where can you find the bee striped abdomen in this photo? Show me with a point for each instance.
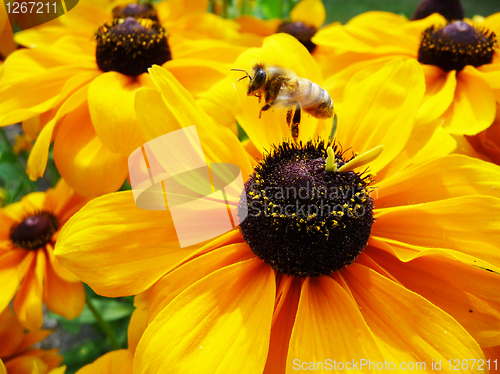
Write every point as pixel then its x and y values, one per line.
pixel 315 100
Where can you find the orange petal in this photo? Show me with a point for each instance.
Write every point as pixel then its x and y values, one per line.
pixel 115 362
pixel 469 224
pixel 118 248
pixel 28 301
pixel 166 289
pixel 328 325
pixel 439 179
pixel 62 297
pixel 467 293
pixel 283 321
pixel 111 106
pixel 11 333
pixel 490 73
pixel 83 161
pixel 222 319
pixel 389 99
pixel 26 364
pixel 394 313
pixel 473 108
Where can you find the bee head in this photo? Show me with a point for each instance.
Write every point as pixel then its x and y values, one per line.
pixel 258 80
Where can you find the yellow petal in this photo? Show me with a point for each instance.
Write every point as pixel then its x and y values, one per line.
pixel 473 108
pixel 111 106
pixel 83 161
pixel 176 109
pixel 469 224
pixel 39 155
pixel 118 248
pixel 222 319
pixel 197 75
pixel 328 325
pixel 426 142
pixel 115 362
pixel 394 313
pixel 10 276
pixel 381 111
pixel 439 93
pixel 166 289
pixel 439 179
pixel 467 293
pixel 309 12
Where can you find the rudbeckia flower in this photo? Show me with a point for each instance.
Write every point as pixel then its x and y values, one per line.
pixel 28 268
pixel 17 356
pixel 83 92
pixel 403 281
pixel 460 61
pixel 306 18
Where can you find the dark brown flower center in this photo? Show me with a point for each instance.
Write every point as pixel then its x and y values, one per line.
pixel 302 32
pixel 449 9
pixel 303 220
pixel 136 11
pixel 34 231
pixel 457 45
pixel 130 46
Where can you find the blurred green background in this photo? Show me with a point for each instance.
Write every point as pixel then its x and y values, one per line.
pixel 343 10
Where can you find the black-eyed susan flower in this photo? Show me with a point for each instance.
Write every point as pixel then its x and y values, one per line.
pixel 306 18
pixel 407 283
pixel 460 60
pixel 17 354
pixel 81 90
pixel 29 272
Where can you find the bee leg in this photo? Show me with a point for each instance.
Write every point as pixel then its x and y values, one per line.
pixel 264 108
pixel 295 123
pixel 289 117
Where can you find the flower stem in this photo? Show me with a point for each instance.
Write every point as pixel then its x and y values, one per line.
pixel 103 325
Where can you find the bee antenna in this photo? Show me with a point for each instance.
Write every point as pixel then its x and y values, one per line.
pixel 246 72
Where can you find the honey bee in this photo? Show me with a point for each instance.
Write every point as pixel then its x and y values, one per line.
pixel 283 89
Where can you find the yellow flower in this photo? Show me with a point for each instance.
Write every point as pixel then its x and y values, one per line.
pixel 28 268
pixel 84 96
pixel 17 356
pixel 306 18
pixel 417 292
pixel 463 86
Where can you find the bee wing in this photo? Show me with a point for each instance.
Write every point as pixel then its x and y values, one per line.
pixel 288 95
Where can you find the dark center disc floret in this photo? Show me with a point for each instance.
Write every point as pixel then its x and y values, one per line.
pixel 300 31
pixel 135 10
pixel 457 45
pixel 130 46
pixel 449 9
pixel 303 220
pixel 34 231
